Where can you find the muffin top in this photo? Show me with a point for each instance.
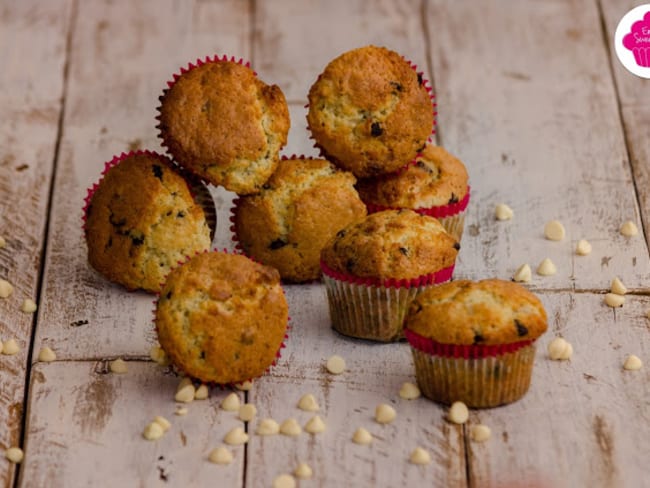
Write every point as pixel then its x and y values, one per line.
pixel 437 178
pixel 370 111
pixel 304 203
pixel 141 220
pixel 221 317
pixel 224 124
pixel 487 312
pixel 398 244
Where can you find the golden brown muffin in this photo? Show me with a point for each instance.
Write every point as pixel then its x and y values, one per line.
pixel 222 318
pixel 400 244
pixel 437 178
pixel 370 111
pixel 141 220
pixel 224 124
pixel 298 211
pixel 474 341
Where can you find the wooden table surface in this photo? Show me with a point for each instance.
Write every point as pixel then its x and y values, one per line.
pixel 530 96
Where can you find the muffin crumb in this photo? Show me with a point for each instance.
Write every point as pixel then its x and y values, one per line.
pixel 559 349
pixel 503 212
pixel 546 268
pixel 554 230
pixel 583 248
pixel 315 425
pixel 629 229
pixel 523 274
pixel 409 391
pixel 480 433
pixel 420 456
pixel 335 364
pixel 458 413
pixel 613 300
pixel 385 414
pixel 362 437
pixel 6 289
pixel 632 363
pixel 308 403
pixel 220 455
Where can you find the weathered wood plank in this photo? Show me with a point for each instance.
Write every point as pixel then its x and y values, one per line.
pixel 31 87
pixel 536 122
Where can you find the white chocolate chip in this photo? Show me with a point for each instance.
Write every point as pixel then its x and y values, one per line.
pixel 3 242
pixel 5 289
pixel 303 471
pixel 554 230
pixel 503 212
pixel 201 392
pixel 290 427
pixel 267 427
pixel 184 382
pixel 15 455
pixel 647 315
pixel 231 403
pixel 247 412
pixel 244 386
pixel 613 300
pixel 220 455
pixel 632 363
pixel 458 413
pixel 315 425
pixel 153 431
pixel 163 422
pixel 236 437
pixel 185 392
pixel 629 229
pixel 284 481
pixel 1 347
pixel 618 287
pixel 420 456
pixel 384 414
pixel 10 347
pixel 559 349
pixel 480 433
pixel 118 366
pixel 335 364
pixel 308 403
pixel 180 411
pixel 362 437
pixel 28 306
pixel 523 274
pixel 46 355
pixel 157 354
pixel 409 391
pixel 583 248
pixel 546 268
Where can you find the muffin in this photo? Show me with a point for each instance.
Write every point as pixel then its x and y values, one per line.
pixel 474 342
pixel 299 209
pixel 222 318
pixel 220 121
pixel 374 268
pixel 141 220
pixel 435 185
pixel 370 112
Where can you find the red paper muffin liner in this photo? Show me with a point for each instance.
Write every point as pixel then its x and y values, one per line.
pixel 437 277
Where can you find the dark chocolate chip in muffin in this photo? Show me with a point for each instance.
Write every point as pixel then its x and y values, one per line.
pixel 522 330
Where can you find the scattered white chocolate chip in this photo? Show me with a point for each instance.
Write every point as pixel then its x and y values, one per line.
pixel 409 391
pixel 46 355
pixel 554 230
pixel 15 455
pixel 290 427
pixel 28 306
pixel 632 363
pixel 559 349
pixel 523 274
pixel 184 382
pixel 220 455
pixel 236 437
pixel 163 422
pixel 503 212
pixel 284 481
pixel 315 425
pixel 647 315
pixel 5 289
pixel 1 347
pixel 618 287
pixel 118 366
pixel 308 403
pixel 201 392
pixel 384 414
pixel 458 413
pixel 3 242
pixel 583 248
pixel 185 392
pixel 546 268
pixel 629 229
pixel 153 431
pixel 247 412
pixel 10 347
pixel 613 300
pixel 420 456
pixel 231 403
pixel 362 437
pixel 158 355
pixel 335 364
pixel 180 411
pixel 244 386
pixel 267 427
pixel 480 433
pixel 303 471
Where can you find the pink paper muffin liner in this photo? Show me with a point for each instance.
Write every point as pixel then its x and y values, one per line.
pixel 369 308
pixel 481 376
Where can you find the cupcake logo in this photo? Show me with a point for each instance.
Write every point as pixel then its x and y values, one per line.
pixel 632 41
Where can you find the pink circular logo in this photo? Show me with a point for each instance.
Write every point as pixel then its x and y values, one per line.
pixel 632 41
